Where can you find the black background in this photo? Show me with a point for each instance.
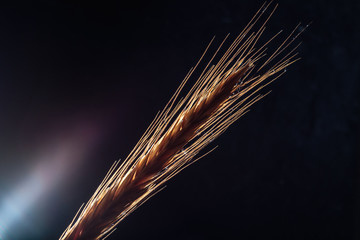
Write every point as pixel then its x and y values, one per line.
pixel 289 169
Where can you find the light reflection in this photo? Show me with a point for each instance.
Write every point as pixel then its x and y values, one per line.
pixel 53 165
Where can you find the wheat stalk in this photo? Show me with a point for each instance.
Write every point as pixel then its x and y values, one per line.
pixel 221 95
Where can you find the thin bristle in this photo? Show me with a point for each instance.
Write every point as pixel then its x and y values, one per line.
pixel 222 94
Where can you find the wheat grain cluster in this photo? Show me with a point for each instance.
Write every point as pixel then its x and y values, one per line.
pixel 223 93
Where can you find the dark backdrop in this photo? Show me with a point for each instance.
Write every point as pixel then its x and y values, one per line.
pixel 80 82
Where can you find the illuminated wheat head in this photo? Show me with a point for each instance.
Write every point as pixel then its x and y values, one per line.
pixel 223 92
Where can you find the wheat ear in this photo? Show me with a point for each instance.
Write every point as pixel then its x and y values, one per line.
pixel 221 95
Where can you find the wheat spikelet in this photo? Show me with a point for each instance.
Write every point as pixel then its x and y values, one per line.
pixel 221 95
